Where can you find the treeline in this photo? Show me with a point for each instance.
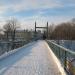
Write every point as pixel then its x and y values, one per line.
pixel 63 31
pixel 12 31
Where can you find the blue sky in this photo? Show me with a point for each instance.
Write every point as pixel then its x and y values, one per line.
pixel 29 11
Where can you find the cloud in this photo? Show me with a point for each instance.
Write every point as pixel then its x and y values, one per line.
pixel 68 2
pixel 2 9
pixel 29 22
pixel 20 5
pixel 29 11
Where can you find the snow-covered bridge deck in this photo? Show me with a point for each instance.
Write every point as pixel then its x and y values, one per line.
pixel 35 59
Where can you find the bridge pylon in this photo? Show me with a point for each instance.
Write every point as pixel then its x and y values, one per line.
pixel 46 27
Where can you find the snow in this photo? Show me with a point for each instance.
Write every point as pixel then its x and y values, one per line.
pixel 32 60
pixel 13 51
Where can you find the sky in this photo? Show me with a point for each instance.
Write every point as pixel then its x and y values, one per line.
pixel 41 11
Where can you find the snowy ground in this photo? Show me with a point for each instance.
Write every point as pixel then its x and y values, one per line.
pixel 33 60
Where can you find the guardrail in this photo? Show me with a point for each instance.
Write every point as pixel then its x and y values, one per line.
pixel 66 56
pixel 8 45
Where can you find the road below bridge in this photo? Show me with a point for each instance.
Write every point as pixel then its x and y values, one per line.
pixel 35 59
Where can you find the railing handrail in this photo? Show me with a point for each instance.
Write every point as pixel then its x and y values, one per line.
pixel 65 49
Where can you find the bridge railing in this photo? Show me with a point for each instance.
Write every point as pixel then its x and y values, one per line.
pixel 66 56
pixel 6 46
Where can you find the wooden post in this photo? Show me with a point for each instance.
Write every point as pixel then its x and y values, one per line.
pixel 47 29
pixel 35 27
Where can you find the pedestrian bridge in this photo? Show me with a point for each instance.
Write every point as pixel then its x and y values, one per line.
pixel 35 58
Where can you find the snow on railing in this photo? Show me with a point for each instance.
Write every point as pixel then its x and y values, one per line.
pixel 15 50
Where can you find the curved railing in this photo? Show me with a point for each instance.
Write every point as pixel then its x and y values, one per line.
pixel 66 56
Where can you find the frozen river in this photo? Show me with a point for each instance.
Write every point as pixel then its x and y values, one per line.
pixel 33 60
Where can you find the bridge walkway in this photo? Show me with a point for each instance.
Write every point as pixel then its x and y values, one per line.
pixel 35 59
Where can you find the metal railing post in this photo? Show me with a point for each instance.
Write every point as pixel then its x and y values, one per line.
pixel 65 60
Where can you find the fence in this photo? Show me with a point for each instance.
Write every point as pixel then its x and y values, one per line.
pixel 7 46
pixel 66 56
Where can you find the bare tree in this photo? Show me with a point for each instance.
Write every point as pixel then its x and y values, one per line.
pixel 7 28
pixel 10 28
pixel 64 31
pixel 1 34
